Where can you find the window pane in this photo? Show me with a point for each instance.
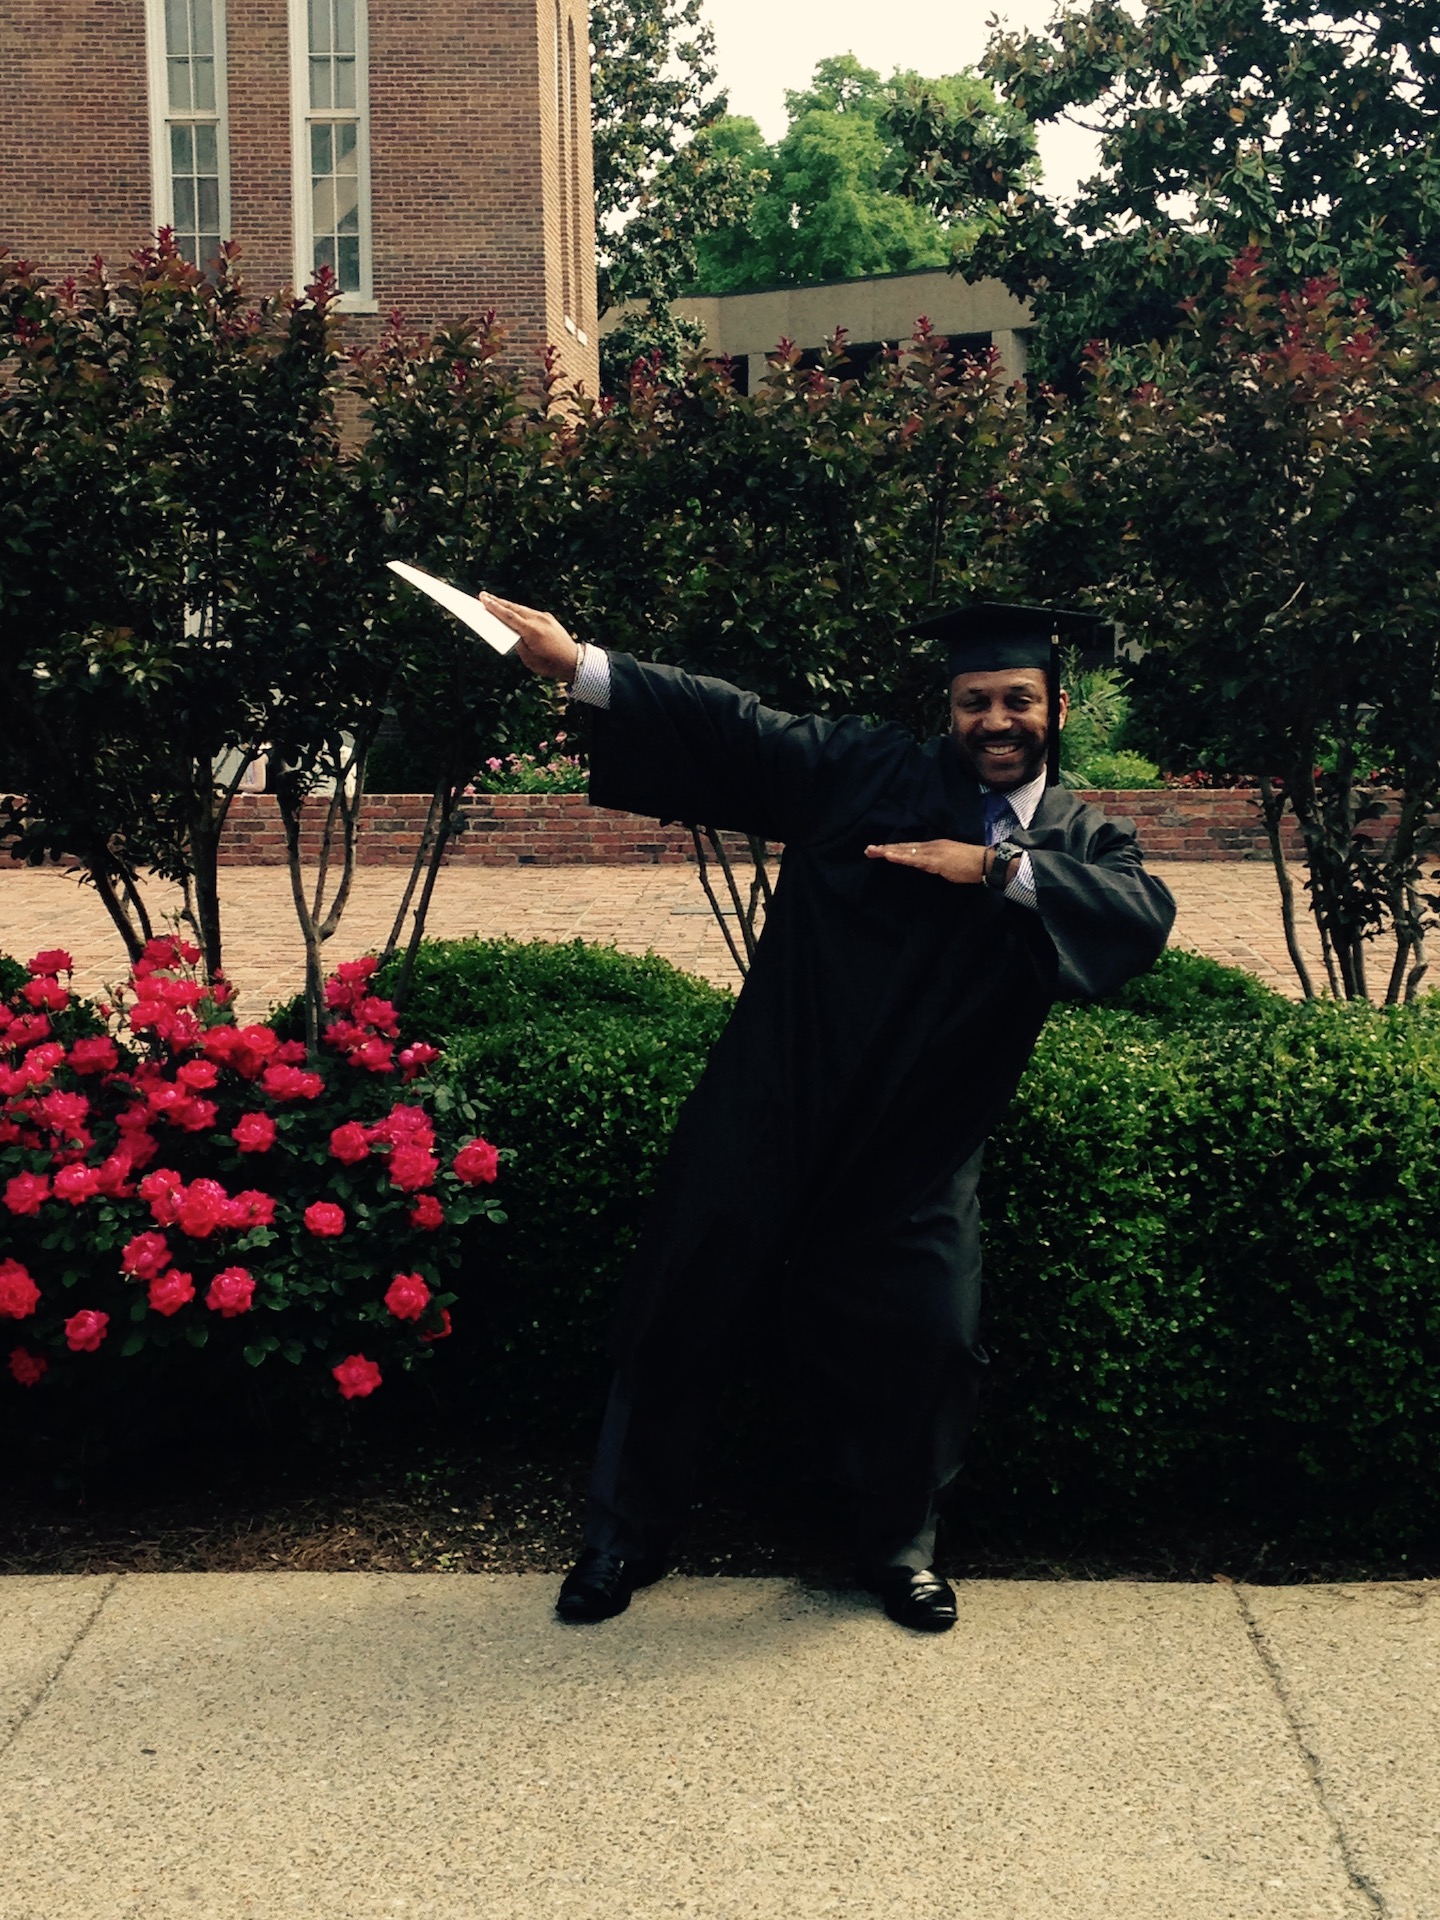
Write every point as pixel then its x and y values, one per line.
pixel 204 84
pixel 177 27
pixel 324 251
pixel 345 26
pixel 182 150
pixel 346 137
pixel 180 100
pixel 348 268
pixel 322 207
pixel 207 250
pixel 207 147
pixel 320 150
pixel 209 202
pixel 347 204
pixel 183 194
pixel 344 83
pixel 319 26
pixel 202 26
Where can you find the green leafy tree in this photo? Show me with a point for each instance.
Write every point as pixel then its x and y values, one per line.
pixel 1308 130
pixel 838 197
pixel 1266 523
pixel 661 178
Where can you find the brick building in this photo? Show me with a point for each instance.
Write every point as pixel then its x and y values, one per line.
pixel 436 157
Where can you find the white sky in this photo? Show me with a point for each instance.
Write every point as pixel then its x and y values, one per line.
pixel 764 46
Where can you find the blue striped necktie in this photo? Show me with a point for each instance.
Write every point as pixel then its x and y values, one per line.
pixel 1000 819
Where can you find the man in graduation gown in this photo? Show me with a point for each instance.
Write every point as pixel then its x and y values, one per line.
pixel 932 902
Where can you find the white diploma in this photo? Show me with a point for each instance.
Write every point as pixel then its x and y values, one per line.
pixel 464 606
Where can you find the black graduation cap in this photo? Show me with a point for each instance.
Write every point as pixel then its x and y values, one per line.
pixel 989 636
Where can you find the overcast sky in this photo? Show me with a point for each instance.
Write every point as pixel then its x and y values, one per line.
pixel 765 46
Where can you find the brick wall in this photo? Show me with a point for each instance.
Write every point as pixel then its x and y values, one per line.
pixel 466 183
pixel 563 829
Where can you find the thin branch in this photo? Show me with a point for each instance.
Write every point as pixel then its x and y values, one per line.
pixel 715 906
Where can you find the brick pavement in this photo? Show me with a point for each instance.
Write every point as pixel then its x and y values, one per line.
pixel 1227 909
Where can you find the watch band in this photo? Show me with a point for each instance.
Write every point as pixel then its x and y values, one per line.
pixel 1005 854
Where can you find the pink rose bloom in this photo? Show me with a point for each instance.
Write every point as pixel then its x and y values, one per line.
pixel 232 1291
pixel 427 1213
pixel 19 1295
pixel 204 1208
pixel 290 1053
pixel 356 1376
pixel 198 1075
pixel 196 1116
pixel 374 1054
pixel 161 1192
pixel 442 1332
pixel 48 994
pixel 85 1330
pixel 52 960
pixel 254 1133
pixel 354 970
pixel 412 1167
pixel 63 1112
pixel 477 1163
pixel 252 1209
pixel 324 1219
pixel 171 1291
pixel 350 1143
pixel 407 1296
pixel 27 1369
pixel 26 1193
pixel 95 1055
pixel 409 1126
pixel 145 1255
pixel 76 1184
pixel 414 1059
pixel 112 1176
pixel 291 1083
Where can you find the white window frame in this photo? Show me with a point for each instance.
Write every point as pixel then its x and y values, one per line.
pixel 301 114
pixel 162 197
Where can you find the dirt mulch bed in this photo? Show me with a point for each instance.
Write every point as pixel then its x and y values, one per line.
pixel 507 1513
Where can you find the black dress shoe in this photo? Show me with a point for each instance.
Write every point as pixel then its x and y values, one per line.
pixel 914 1598
pixel 600 1584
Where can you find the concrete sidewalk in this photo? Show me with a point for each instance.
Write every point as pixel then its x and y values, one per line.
pixel 366 1745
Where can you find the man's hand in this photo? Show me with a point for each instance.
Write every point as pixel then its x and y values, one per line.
pixel 956 860
pixel 545 647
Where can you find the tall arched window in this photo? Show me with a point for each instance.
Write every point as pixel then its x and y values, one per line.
pixel 577 225
pixel 330 122
pixel 562 138
pixel 189 156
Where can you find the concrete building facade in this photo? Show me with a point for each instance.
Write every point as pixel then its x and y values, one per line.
pixel 436 158
pixel 876 312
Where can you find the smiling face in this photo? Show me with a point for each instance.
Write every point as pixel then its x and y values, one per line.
pixel 1000 724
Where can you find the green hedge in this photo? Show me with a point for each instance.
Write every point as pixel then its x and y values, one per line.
pixel 1212 1230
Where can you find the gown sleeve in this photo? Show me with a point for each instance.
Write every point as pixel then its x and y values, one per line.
pixel 679 746
pixel 1108 918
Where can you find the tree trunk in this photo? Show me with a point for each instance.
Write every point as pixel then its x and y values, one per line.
pixel 1272 805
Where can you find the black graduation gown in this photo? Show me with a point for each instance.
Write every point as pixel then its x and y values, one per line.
pixel 883 1027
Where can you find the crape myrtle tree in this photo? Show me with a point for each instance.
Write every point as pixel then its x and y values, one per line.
pixel 167 517
pixel 784 539
pixel 1267 531
pixel 1308 129
pixel 453 471
pixel 180 591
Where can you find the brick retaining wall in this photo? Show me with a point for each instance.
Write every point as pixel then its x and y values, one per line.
pixel 563 829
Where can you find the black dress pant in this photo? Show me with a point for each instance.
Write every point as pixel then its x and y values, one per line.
pixel 883 1331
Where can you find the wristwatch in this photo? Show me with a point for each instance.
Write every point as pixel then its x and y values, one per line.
pixel 1006 854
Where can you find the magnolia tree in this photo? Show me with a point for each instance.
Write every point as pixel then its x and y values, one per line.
pixel 1257 500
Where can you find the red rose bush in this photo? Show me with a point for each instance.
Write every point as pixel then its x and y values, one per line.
pixel 176 1177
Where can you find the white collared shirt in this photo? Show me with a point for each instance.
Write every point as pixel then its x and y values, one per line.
pixel 591 687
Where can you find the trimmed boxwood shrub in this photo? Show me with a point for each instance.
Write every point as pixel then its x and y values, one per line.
pixel 1213 1232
